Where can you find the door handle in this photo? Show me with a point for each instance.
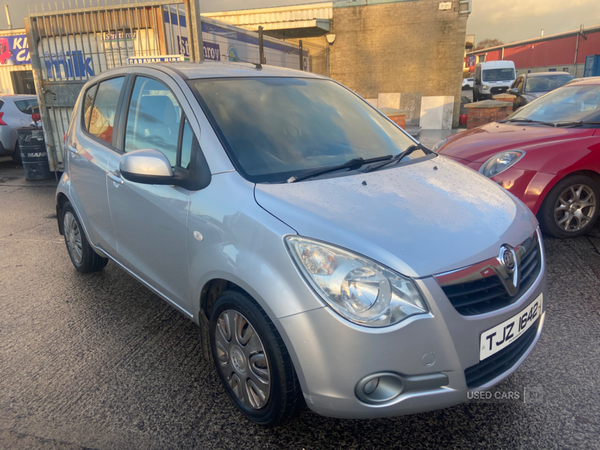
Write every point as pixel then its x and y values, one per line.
pixel 115 176
pixel 72 149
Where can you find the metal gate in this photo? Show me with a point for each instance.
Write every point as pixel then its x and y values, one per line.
pixel 72 45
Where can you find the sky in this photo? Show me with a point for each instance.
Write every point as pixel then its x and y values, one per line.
pixel 507 20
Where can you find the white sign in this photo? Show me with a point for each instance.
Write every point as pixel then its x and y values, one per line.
pixel 155 59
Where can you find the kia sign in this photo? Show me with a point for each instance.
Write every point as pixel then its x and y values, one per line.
pixel 14 50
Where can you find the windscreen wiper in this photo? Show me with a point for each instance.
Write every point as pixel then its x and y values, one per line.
pixel 353 164
pixel 550 124
pixel 578 123
pixel 399 157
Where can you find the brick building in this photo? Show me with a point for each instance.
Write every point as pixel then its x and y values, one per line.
pixel 402 54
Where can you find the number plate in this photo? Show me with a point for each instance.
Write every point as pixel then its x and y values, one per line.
pixel 495 339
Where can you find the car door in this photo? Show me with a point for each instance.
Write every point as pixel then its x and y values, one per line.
pixel 518 84
pixel 88 153
pixel 150 221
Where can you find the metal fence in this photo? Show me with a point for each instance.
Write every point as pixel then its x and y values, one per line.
pixel 70 46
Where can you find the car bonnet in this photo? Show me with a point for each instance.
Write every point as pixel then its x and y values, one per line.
pixel 419 219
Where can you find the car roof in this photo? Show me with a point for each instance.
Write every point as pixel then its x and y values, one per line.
pixel 584 81
pixel 17 97
pixel 196 70
pixel 545 74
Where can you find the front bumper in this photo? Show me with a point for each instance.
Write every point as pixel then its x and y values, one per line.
pixel 332 356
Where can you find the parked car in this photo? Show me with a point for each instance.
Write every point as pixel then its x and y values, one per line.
pixel 328 257
pixel 547 154
pixel 529 86
pixel 467 83
pixel 15 113
pixel 5 53
pixel 492 78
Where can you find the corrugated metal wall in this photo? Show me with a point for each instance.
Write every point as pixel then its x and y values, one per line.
pixel 6 85
pixel 252 18
pixel 555 52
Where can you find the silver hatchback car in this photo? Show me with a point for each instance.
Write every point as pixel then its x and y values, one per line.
pixel 329 258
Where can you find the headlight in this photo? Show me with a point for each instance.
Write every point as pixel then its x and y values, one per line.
pixel 439 144
pixel 358 289
pixel 485 88
pixel 500 162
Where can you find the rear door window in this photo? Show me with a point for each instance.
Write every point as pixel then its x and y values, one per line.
pixel 101 116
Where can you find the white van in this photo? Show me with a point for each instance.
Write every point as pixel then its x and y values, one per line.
pixel 491 78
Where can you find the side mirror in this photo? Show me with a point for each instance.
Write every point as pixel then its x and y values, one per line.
pixel 147 166
pixel 513 91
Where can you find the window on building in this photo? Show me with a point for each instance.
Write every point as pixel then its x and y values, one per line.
pixel 480 58
pixel 22 81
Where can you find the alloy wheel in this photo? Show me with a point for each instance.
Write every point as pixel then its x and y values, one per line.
pixel 575 208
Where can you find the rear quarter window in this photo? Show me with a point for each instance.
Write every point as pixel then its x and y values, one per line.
pixel 27 106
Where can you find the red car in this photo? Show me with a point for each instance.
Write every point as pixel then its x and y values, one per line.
pixel 5 53
pixel 547 154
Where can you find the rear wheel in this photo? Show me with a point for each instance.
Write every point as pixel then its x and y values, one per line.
pixel 83 257
pixel 571 208
pixel 252 360
pixel 16 156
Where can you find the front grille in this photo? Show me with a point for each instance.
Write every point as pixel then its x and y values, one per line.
pixel 497 364
pixel 488 294
pixel 498 90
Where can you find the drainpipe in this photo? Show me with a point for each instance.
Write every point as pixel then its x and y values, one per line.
pixel 576 51
pixel 8 17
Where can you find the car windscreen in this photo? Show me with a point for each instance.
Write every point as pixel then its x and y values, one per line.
pixel 546 83
pixel 567 104
pixel 274 128
pixel 27 106
pixel 499 74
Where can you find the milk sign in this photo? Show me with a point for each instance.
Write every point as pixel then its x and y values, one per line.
pixel 14 50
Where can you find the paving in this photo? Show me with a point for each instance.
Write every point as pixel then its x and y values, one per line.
pixel 99 362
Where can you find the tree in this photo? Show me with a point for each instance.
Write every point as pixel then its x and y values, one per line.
pixel 487 43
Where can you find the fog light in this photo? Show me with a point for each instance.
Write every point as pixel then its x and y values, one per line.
pixel 379 388
pixel 371 386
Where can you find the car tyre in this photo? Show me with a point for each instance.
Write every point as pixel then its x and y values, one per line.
pixel 16 155
pixel 571 207
pixel 82 255
pixel 252 360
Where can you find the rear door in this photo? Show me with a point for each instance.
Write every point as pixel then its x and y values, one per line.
pixel 89 154
pixel 151 220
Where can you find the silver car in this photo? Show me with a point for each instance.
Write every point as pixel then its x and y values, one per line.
pixel 329 259
pixel 15 113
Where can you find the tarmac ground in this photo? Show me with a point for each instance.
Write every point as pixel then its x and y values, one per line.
pixel 99 362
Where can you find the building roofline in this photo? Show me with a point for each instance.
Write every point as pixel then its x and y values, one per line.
pixel 550 37
pixel 301 6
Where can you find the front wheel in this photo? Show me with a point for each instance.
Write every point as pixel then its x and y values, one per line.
pixel 571 208
pixel 252 360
